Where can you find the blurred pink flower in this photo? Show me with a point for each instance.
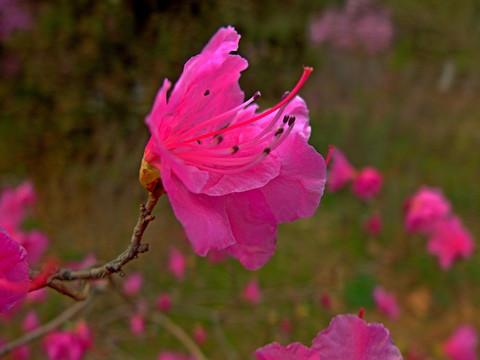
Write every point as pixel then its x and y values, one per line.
pixel 386 302
pixel 232 175
pixel 84 335
pixel 15 203
pixel 373 225
pixel 30 322
pixel 21 353
pixel 137 324
pixel 424 208
pixel 449 241
pixel 199 334
pixel 347 337
pixel 251 292
pixel 164 302
pixel 177 262
pixel 88 261
pixel 367 183
pixel 361 24
pixel 35 243
pixel 325 300
pixel 14 272
pixel 462 344
pixel 341 172
pixel 14 15
pixel 286 325
pixel 133 284
pixel 68 345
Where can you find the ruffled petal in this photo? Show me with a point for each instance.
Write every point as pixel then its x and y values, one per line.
pixel 204 218
pixel 254 228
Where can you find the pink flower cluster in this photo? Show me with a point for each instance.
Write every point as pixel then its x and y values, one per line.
pixel 347 337
pixel 232 174
pixel 360 24
pixel 15 204
pixel 69 344
pixel 428 212
pixel 366 183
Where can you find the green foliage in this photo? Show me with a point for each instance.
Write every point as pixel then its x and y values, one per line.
pixel 72 118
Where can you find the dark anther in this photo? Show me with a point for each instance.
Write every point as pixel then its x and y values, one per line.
pixel 207 92
pixel 256 95
pixel 285 118
pixel 291 120
pixel 267 150
pixel 279 131
pixel 219 139
pixel 199 142
pixel 235 149
pixel 285 94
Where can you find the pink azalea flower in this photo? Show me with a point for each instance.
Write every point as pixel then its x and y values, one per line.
pixel 232 175
pixel 30 322
pixel 449 241
pixel 424 209
pixel 199 334
pixel 133 284
pixel 462 344
pixel 341 172
pixel 251 293
pixel 68 345
pixel 373 225
pixel 164 302
pixel 137 324
pixel 14 273
pixel 177 262
pixel 368 183
pixel 347 337
pixel 294 351
pixel 350 337
pixel 171 355
pixel 386 302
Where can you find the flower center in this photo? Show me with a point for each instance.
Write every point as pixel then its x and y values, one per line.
pixel 214 151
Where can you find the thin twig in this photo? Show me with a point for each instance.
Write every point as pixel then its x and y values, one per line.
pixel 180 334
pixel 115 266
pixel 44 329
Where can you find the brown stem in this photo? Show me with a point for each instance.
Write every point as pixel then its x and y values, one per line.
pixel 115 266
pixel 44 329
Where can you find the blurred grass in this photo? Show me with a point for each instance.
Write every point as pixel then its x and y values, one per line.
pixel 72 119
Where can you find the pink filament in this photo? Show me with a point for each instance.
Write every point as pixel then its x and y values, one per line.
pixel 228 160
